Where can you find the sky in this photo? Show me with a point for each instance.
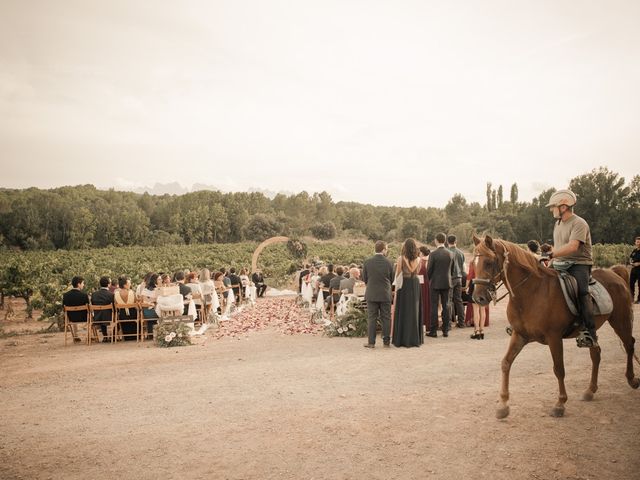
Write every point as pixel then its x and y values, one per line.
pixel 390 103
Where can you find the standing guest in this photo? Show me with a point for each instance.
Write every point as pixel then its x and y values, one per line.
pixel 103 297
pixel 634 260
pixel 439 271
pixel 424 286
pixel 258 281
pixel 348 283
pixel 76 297
pixel 458 280
pixel 407 324
pixel 534 247
pixel 477 316
pixel 377 273
pixel 123 296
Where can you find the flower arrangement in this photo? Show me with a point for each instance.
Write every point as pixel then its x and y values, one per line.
pixel 172 334
pixel 352 324
pixel 297 248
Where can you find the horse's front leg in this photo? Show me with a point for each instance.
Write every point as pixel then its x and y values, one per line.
pixel 555 345
pixel 594 352
pixel 516 344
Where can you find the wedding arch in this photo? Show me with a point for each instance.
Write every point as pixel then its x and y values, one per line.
pixel 297 248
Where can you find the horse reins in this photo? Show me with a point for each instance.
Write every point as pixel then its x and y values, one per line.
pixel 490 284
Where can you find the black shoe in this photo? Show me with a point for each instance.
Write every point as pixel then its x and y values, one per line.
pixel 445 334
pixel 432 335
pixel 461 325
pixel 386 345
pixel 475 335
pixel 106 340
pixel 369 345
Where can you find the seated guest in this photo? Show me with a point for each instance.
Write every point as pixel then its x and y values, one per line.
pixel 76 298
pixel 184 290
pixel 235 282
pixel 208 290
pixel 196 290
pixel 149 296
pixel 142 286
pixel 165 280
pixel 123 296
pixel 303 273
pixel 326 279
pixel 334 284
pixel 534 247
pixel 316 280
pixel 103 297
pixel 244 278
pixel 348 283
pixel 258 281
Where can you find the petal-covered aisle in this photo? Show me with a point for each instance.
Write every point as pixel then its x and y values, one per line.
pixel 279 313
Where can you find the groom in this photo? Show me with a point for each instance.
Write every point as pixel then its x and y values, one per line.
pixel 377 274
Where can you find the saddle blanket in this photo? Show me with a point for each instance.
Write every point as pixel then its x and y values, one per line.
pixel 602 302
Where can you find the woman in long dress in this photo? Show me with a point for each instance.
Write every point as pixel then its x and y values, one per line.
pixel 426 299
pixel 407 326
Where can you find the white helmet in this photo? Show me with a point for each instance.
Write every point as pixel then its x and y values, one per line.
pixel 562 197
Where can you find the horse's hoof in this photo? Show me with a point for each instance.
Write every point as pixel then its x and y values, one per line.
pixel 502 412
pixel 557 412
pixel 587 396
pixel 635 383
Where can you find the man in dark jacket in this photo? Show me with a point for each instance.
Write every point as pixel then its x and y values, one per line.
pixel 439 272
pixel 76 297
pixel 103 297
pixel 377 274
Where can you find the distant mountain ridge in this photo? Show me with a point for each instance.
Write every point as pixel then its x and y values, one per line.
pixel 175 188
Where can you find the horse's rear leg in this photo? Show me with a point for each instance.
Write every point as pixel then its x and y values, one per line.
pixel 555 345
pixel 622 327
pixel 595 365
pixel 515 346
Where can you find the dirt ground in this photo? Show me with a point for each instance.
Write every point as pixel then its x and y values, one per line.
pixel 263 404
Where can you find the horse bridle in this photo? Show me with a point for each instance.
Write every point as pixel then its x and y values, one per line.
pixel 490 283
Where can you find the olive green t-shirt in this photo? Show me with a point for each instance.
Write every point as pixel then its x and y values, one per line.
pixel 575 228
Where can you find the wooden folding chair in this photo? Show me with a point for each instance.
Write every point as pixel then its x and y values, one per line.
pixel 93 323
pixel 237 288
pixel 70 326
pixel 122 317
pixel 200 307
pixel 144 322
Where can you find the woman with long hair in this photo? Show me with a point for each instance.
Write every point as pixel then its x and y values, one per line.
pixel 407 326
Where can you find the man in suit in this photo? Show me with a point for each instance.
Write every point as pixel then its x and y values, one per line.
pixel 185 290
pixel 458 280
pixel 349 283
pixel 76 298
pixel 377 274
pixel 258 281
pixel 235 280
pixel 439 272
pixel 103 297
pixel 334 284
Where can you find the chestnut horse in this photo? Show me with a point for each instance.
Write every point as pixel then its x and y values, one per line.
pixel 537 311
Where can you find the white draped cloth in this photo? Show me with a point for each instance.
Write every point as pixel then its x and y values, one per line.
pixel 307 292
pixel 173 303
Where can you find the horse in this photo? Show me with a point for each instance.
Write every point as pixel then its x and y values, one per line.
pixel 538 312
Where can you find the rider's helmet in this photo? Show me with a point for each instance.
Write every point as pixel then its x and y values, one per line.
pixel 562 197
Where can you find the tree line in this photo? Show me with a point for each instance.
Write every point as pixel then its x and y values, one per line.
pixel 82 217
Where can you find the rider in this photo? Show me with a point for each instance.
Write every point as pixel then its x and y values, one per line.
pixel 572 253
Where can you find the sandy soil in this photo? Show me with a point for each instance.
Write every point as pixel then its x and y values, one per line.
pixel 263 404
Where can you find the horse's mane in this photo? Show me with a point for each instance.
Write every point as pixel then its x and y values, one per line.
pixel 520 257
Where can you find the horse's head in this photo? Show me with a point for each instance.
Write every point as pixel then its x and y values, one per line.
pixel 488 265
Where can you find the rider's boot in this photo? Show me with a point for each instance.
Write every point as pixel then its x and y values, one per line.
pixel 587 337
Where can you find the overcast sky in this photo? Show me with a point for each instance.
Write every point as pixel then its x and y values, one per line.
pixel 391 103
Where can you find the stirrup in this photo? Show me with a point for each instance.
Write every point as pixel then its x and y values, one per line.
pixel 586 340
pixel 509 330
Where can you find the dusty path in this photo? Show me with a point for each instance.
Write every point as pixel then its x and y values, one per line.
pixel 306 406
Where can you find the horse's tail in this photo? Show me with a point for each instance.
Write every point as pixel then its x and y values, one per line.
pixel 622 272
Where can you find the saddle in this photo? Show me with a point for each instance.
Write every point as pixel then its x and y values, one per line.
pixel 602 302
